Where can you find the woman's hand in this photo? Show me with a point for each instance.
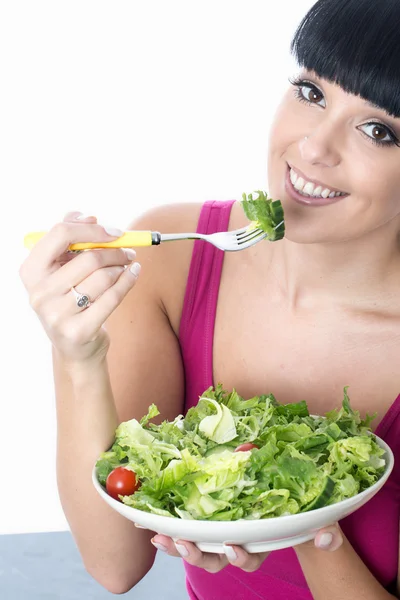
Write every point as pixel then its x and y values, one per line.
pixel 328 538
pixel 50 271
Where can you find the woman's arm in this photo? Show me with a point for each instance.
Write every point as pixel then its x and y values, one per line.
pixel 143 365
pixel 338 575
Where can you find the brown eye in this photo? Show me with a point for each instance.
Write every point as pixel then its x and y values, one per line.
pixel 313 95
pixel 310 94
pixel 379 132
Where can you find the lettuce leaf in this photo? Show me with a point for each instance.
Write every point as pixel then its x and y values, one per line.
pixel 265 214
pixel 188 469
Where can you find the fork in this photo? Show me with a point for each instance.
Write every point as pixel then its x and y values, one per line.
pixel 228 241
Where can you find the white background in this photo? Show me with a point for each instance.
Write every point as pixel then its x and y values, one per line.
pixel 110 108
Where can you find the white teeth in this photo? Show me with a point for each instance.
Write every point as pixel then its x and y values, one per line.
pixel 299 184
pixel 317 191
pixel 309 188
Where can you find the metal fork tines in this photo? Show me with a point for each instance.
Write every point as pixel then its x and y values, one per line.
pixel 229 241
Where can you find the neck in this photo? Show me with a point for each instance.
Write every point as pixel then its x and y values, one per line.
pixel 365 270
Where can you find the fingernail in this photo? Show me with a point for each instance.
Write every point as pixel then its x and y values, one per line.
pixel 135 269
pixel 183 551
pixel 113 231
pixel 131 254
pixel 230 553
pixel 140 526
pixel 159 546
pixel 81 217
pixel 325 540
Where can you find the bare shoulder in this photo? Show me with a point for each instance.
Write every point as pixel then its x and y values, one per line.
pixel 144 358
pixel 165 268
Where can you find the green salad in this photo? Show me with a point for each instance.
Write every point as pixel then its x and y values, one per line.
pixel 265 214
pixel 231 458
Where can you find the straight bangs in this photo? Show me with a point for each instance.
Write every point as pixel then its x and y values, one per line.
pixel 355 44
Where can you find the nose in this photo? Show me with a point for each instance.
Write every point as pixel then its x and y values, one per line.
pixel 318 148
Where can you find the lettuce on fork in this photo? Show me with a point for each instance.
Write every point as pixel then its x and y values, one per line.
pixel 189 469
pixel 265 214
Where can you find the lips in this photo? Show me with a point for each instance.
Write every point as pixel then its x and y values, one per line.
pixel 319 195
pixel 312 187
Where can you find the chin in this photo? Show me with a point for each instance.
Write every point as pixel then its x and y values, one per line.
pixel 301 229
pixel 306 237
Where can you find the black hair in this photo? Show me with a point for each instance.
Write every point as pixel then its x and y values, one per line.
pixel 355 44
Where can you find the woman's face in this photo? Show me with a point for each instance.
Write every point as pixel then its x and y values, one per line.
pixel 339 142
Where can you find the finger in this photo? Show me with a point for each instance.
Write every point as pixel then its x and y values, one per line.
pixel 329 538
pixel 78 216
pixel 98 312
pixel 238 557
pixel 62 306
pixel 93 287
pixel 74 216
pixel 60 237
pixel 213 563
pixel 64 259
pixel 210 562
pixel 86 266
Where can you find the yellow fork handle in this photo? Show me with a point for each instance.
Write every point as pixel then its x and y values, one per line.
pixel 129 239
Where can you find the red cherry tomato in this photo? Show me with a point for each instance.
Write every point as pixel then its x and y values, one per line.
pixel 245 447
pixel 121 481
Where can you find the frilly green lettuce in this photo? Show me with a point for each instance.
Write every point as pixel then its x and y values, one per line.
pixel 188 469
pixel 265 214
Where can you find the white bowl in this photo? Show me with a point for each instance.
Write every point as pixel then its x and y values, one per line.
pixel 261 535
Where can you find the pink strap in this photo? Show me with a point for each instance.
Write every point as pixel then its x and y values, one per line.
pixel 200 302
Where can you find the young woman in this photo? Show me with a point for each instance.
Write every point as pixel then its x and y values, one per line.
pixel 300 318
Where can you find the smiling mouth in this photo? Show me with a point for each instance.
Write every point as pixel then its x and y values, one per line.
pixel 320 194
pixel 311 188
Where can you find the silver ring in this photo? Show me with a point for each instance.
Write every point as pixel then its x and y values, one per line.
pixel 82 300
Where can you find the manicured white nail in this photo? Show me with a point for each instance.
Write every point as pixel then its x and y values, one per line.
pixel 325 540
pixel 113 231
pixel 131 254
pixel 135 269
pixel 230 553
pixel 159 546
pixel 81 217
pixel 181 549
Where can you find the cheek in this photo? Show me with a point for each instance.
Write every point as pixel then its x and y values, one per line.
pixel 376 195
pixel 373 177
pixel 285 125
pixel 287 129
pixel 279 141
pixel 282 134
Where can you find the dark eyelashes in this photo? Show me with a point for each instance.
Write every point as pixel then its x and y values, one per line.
pixel 298 82
pixel 300 97
pixel 394 139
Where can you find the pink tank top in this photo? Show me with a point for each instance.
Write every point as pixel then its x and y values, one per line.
pixel 373 530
